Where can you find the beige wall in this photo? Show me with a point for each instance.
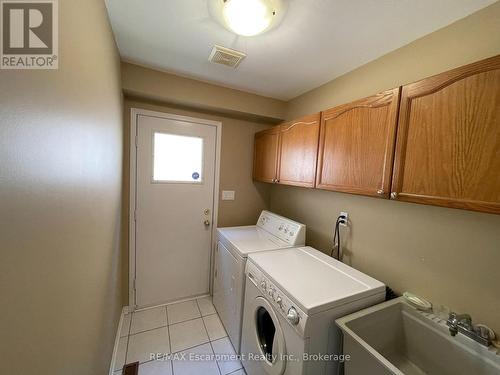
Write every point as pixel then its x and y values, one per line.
pixel 60 181
pixel 235 173
pixel 470 39
pixel 449 256
pixel 168 88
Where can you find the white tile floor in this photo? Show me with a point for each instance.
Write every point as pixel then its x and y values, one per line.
pixel 187 329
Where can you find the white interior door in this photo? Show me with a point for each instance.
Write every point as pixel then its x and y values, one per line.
pixel 174 208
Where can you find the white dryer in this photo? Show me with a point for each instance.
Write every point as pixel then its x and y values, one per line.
pixel 233 246
pixel 292 299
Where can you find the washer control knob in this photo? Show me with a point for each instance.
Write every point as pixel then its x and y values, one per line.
pixel 293 316
pixel 263 285
pixel 279 301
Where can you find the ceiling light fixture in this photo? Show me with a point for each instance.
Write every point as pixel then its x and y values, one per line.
pixel 248 17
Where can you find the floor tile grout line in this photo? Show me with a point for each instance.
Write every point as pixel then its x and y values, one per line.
pixel 203 343
pixel 185 321
pixel 211 302
pixel 235 371
pixel 216 362
pixel 191 347
pixel 214 313
pixel 230 343
pixel 223 328
pixel 210 342
pixel 208 337
pixel 189 320
pixel 129 326
pixel 169 343
pixel 182 321
pixel 147 330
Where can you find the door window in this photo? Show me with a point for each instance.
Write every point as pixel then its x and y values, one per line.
pixel 177 158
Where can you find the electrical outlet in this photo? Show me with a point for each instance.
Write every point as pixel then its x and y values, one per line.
pixel 346 221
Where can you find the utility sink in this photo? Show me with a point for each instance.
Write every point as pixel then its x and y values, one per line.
pixel 395 338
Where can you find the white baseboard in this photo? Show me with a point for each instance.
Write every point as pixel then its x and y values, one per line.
pixel 125 310
pixel 190 298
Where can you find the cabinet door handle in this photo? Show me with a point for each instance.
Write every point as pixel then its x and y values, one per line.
pixel 380 192
pixel 394 195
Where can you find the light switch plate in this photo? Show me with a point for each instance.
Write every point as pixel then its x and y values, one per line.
pixel 228 195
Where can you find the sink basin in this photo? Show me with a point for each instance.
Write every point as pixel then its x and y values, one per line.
pixel 395 338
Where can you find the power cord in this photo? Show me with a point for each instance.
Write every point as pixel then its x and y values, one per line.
pixel 342 219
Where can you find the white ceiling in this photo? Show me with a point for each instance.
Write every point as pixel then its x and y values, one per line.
pixel 317 41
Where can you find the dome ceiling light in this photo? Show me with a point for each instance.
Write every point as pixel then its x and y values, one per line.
pixel 248 17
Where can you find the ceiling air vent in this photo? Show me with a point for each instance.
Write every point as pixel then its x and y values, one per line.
pixel 226 56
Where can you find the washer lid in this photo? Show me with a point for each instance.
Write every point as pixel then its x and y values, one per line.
pixel 250 239
pixel 315 281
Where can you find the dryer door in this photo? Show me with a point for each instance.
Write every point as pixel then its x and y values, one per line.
pixel 268 337
pixel 228 292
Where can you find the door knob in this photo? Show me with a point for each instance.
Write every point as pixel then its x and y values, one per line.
pixel 207 222
pixel 206 212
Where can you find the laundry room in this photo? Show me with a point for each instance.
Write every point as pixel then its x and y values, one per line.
pixel 250 187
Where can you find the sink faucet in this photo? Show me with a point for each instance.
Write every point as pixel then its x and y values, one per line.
pixel 462 323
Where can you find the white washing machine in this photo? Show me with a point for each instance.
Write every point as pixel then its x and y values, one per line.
pixel 233 246
pixel 292 299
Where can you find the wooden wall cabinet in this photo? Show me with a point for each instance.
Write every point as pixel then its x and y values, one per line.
pixel 266 154
pixel 287 153
pixel 436 141
pixel 357 145
pixel 448 142
pixel 299 151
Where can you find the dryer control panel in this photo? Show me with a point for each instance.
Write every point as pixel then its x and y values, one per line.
pixel 282 304
pixel 287 230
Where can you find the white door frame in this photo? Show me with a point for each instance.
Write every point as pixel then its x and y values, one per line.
pixel 134 113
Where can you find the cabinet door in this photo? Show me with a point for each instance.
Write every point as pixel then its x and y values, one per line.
pixel 299 151
pixel 357 145
pixel 448 144
pixel 265 162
